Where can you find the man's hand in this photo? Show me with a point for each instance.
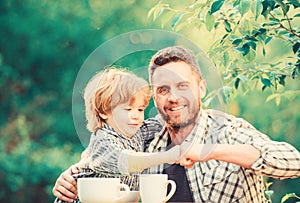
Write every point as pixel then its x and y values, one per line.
pixel 194 152
pixel 65 187
pixel 243 155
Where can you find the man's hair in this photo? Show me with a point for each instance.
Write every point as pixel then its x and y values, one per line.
pixel 174 54
pixel 108 89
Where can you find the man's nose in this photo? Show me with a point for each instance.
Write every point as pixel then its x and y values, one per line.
pixel 173 96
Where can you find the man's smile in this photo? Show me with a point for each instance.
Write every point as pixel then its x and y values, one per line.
pixel 176 108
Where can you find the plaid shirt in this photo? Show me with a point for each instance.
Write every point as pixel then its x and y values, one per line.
pixel 100 158
pixel 217 181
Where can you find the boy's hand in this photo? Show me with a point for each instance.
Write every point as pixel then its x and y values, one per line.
pixel 194 152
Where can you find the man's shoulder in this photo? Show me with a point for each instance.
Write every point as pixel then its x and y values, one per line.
pixel 223 118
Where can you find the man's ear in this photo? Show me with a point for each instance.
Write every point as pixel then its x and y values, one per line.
pixel 153 97
pixel 202 88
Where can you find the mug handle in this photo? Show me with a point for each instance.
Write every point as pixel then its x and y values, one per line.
pixel 172 191
pixel 127 190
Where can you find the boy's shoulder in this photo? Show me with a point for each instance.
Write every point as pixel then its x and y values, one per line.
pixel 152 124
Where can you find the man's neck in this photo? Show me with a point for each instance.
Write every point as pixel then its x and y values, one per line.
pixel 179 135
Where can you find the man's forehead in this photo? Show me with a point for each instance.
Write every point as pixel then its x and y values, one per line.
pixel 166 76
pixel 174 69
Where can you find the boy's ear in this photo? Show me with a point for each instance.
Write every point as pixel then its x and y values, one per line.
pixel 103 116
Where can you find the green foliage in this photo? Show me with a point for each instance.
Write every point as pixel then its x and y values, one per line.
pixel 247 34
pixel 43 45
pixel 255 47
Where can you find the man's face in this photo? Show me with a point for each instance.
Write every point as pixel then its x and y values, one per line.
pixel 177 93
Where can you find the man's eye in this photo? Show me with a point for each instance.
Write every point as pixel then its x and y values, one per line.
pixel 183 86
pixel 163 90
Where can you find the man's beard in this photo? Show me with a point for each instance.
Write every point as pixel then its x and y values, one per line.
pixel 178 125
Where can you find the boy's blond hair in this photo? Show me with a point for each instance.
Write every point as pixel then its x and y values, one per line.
pixel 108 89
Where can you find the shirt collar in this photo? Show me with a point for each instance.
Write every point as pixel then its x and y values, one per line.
pixel 160 141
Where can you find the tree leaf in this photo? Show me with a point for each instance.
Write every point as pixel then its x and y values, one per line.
pixel 296 47
pixel 252 44
pixel 244 6
pixel 216 6
pixel 251 55
pixel 295 3
pixel 268 40
pixel 287 196
pixel 236 83
pixel 266 82
pixel 264 51
pixel 209 21
pixel 226 58
pixel 237 41
pixel 176 19
pixel 282 80
pixel 246 49
pixel 256 8
pixel 282 5
pixel 227 26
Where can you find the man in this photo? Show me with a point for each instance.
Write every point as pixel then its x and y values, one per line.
pixel 226 157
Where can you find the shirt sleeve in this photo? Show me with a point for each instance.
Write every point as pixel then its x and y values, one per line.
pixel 103 152
pixel 149 128
pixel 277 159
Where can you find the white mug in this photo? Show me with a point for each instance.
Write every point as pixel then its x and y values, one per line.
pixel 101 190
pixel 153 188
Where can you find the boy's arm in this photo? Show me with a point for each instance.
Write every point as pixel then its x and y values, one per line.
pixel 130 161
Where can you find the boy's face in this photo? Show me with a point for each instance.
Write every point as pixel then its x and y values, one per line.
pixel 127 118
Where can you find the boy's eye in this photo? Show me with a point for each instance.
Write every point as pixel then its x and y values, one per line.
pixel 141 109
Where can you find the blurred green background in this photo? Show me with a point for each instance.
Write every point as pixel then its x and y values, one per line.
pixel 42 47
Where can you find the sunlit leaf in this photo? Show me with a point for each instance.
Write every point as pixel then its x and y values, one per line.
pixel 244 6
pixel 226 58
pixel 274 19
pixel 287 196
pixel 282 5
pixel 251 55
pixel 237 41
pixel 176 19
pixel 277 100
pixel 209 21
pixel 256 8
pixel 227 26
pixel 269 193
pixel 216 6
pixel 272 96
pixel 268 40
